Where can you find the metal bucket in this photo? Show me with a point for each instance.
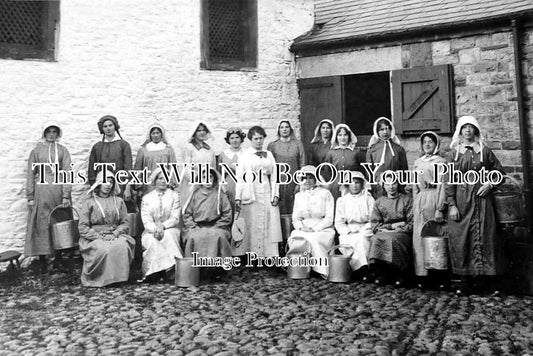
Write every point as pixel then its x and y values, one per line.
pixel 186 274
pixel 339 265
pixel 435 245
pixel 509 205
pixel 286 226
pixel 296 271
pixel 65 234
pixel 134 218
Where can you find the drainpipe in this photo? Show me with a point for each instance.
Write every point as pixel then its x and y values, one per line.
pixel 515 24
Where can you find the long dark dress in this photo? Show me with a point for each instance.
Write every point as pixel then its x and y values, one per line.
pixel 393 247
pixel 390 162
pixel 207 219
pixel 117 152
pixel 475 247
pixel 105 262
pixel 45 197
pixel 317 152
pixel 344 159
pixel 292 153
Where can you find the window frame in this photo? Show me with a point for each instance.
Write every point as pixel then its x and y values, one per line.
pixel 249 8
pixel 50 31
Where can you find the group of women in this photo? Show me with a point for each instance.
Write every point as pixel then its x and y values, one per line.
pixel 381 223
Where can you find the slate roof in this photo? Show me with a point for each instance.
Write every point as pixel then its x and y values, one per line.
pixel 337 20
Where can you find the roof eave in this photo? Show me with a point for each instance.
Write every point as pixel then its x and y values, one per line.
pixel 297 46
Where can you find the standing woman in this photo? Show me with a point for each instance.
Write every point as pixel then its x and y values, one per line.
pixel 343 154
pixel 105 245
pixel 474 244
pixel 384 148
pixel 287 149
pixel 429 200
pixel 195 151
pixel 42 198
pixel 259 198
pixel 234 138
pixel 321 143
pixel 112 149
pixel 153 151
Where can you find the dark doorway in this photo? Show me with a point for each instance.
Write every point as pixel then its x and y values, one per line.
pixel 367 97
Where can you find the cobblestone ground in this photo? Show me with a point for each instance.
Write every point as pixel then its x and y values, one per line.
pixel 257 312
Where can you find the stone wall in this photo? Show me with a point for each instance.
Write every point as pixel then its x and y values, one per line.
pixel 484 86
pixel 140 61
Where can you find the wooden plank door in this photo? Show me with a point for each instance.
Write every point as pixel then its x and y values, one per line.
pixel 422 99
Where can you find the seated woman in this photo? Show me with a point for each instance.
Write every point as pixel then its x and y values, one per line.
pixel 312 219
pixel 207 218
pixel 352 221
pixel 160 213
pixel 390 247
pixel 105 245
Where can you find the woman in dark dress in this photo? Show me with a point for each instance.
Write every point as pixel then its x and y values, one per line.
pixel 475 247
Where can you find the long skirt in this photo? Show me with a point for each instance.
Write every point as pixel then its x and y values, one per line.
pixel 319 244
pixel 262 225
pixel 38 239
pixel 424 206
pixel 159 255
pixel 360 243
pixel 208 242
pixel 392 247
pixel 106 262
pixel 475 247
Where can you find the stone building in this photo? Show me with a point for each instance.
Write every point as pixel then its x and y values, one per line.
pixel 173 61
pixel 425 63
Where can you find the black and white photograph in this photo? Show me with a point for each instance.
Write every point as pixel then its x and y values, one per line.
pixel 266 177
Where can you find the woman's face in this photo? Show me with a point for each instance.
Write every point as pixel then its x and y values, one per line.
pixel 384 131
pixel 211 179
pixel 160 183
pixel 105 188
pixel 156 135
pixel 309 181
pixel 343 138
pixel 468 132
pixel 428 145
pixel 284 129
pixel 391 188
pixel 356 187
pixel 325 130
pixel 51 134
pixel 235 141
pixel 109 128
pixel 201 133
pixel 257 141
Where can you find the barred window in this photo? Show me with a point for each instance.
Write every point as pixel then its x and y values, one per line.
pixel 28 29
pixel 229 34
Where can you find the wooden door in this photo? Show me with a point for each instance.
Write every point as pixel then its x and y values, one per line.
pixel 320 98
pixel 422 99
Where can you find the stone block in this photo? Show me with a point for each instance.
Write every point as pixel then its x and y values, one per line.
pixel 420 54
pixel 493 145
pixel 492 93
pixel 489 55
pixel 486 66
pixel 469 94
pixel 483 41
pixel 478 79
pixel 440 48
pixel 501 38
pixel 462 43
pixel 469 56
pixel 511 145
pixel 451 59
